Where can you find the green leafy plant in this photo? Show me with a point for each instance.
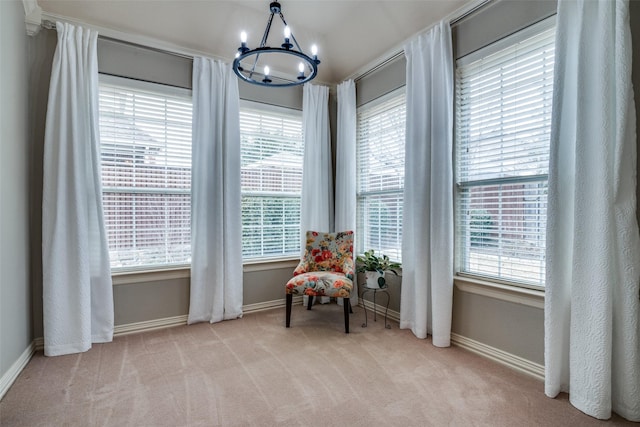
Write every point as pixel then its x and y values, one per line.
pixel 372 262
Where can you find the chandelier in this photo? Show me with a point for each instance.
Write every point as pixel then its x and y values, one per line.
pixel 251 65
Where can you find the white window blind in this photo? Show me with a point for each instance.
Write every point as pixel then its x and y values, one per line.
pixel 145 149
pixel 503 121
pixel 272 152
pixel 380 174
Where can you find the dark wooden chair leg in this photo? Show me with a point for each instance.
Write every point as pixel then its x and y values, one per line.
pixel 289 303
pixel 310 303
pixel 347 307
pixel 350 307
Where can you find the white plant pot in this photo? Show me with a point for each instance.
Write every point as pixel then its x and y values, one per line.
pixel 372 279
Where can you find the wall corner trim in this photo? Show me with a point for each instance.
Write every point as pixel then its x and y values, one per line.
pixel 509 360
pixel 9 377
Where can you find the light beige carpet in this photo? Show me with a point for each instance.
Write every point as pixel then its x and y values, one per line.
pixel 255 372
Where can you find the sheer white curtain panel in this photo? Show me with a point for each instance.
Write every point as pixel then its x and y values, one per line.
pixel 427 224
pixel 317 187
pixel 216 227
pixel 316 210
pixel 77 289
pixel 345 209
pixel 592 309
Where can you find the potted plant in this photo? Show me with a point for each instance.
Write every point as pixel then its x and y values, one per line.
pixel 374 266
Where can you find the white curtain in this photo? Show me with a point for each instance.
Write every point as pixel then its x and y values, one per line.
pixel 592 324
pixel 345 213
pixel 317 186
pixel 427 224
pixel 216 227
pixel 316 211
pixel 77 289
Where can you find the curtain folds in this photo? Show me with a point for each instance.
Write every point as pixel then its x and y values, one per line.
pixel 592 309
pixel 216 227
pixel 345 209
pixel 427 224
pixel 77 288
pixel 316 212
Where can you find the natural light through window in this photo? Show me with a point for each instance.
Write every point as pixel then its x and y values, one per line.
pixel 272 151
pixel 145 150
pixel 380 174
pixel 503 123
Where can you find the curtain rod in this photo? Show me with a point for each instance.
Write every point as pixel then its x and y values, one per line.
pixel 454 19
pixel 50 25
pixel 121 39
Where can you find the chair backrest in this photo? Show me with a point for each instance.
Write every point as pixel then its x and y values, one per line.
pixel 329 252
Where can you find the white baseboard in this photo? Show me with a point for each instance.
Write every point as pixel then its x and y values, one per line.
pixel 39 344
pixel 391 314
pixel 168 322
pixel 504 358
pixel 7 380
pixel 133 328
pixel 268 305
pixel 149 325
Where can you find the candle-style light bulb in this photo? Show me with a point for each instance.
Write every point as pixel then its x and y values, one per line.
pixel 266 75
pixel 243 43
pixel 287 33
pixel 237 54
pixel 314 52
pixel 301 70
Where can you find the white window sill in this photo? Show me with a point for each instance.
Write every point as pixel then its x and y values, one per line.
pixel 141 276
pixel 529 297
pixel 270 264
pixel 184 272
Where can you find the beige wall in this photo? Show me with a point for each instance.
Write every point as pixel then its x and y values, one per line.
pixel 511 327
pixel 514 328
pixel 15 292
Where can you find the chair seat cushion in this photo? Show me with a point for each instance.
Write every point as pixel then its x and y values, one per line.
pixel 320 283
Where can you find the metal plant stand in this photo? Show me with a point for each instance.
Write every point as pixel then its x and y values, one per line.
pixel 364 305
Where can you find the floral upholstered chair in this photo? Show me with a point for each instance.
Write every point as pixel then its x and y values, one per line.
pixel 326 269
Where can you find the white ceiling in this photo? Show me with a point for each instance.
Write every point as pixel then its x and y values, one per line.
pixel 350 34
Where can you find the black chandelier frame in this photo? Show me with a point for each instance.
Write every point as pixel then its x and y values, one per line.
pixel 253 76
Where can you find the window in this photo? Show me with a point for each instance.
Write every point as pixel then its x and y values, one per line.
pixel 380 174
pixel 503 121
pixel 145 136
pixel 272 152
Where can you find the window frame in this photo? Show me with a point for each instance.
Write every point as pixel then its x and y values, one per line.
pixel 388 97
pixel 160 90
pixel 265 108
pixel 466 279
